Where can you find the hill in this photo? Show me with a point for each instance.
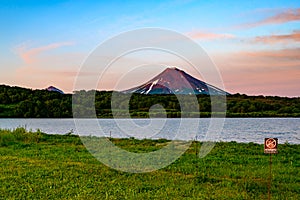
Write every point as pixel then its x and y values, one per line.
pixel 23 102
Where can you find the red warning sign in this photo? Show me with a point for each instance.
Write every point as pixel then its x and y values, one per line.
pixel 271 145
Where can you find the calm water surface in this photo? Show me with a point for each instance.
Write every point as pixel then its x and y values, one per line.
pixel 234 129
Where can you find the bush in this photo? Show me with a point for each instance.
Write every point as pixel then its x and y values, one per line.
pixel 19 135
pixel 6 138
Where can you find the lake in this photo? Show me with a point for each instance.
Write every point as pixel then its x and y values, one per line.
pixel 235 129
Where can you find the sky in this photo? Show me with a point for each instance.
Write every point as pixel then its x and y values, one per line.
pixel 255 45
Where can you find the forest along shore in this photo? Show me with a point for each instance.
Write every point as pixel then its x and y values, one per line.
pixel 21 102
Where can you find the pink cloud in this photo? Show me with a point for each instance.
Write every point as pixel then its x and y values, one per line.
pixel 267 72
pixel 267 82
pixel 287 15
pixel 293 37
pixel 209 36
pixel 28 55
pixel 282 54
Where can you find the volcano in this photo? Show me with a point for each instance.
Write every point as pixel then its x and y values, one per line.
pixel 176 81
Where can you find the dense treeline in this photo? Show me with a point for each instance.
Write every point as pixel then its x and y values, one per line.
pixel 21 102
pixel 236 106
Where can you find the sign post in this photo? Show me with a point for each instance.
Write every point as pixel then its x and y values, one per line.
pixel 270 147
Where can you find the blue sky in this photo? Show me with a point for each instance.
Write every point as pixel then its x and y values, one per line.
pixel 253 43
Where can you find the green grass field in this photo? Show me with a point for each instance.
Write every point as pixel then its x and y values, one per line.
pixel 35 165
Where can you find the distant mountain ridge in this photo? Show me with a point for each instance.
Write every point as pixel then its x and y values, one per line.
pixel 176 81
pixel 54 89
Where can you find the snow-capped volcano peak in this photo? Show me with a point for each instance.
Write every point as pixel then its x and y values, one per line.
pixel 175 81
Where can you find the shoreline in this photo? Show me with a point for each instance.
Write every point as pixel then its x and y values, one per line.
pixel 23 134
